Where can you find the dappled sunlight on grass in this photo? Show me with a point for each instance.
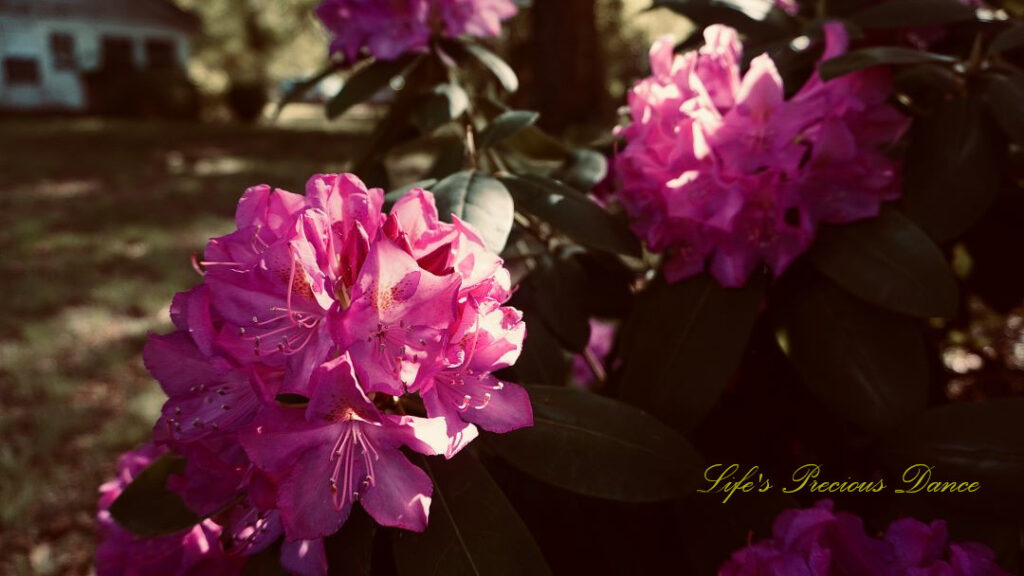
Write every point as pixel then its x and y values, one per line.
pixel 98 222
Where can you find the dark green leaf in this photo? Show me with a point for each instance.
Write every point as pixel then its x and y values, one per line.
pixel 610 281
pixel 450 160
pixel 926 84
pixel 395 195
pixel 534 143
pixel 1007 40
pixel 867 364
pixel 505 125
pixel 1006 101
pixel 557 290
pixel 350 550
pixel 300 89
pixel 148 508
pixel 571 213
pixel 584 169
pixel 542 359
pixel 982 442
pixel 908 13
pixel 886 55
pixel 722 530
pixel 367 81
pixel 952 169
pixel 600 447
pixel 444 103
pixel 292 399
pixel 395 127
pixel 473 528
pixel 502 71
pixel 267 562
pixel 683 343
pixel 480 200
pixel 890 262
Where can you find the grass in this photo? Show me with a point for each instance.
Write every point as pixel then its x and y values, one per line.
pixel 98 221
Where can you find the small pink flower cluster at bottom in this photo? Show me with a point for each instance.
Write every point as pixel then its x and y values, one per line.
pixel 818 542
pixel 285 370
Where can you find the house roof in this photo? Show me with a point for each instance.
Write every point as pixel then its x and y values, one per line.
pixel 161 12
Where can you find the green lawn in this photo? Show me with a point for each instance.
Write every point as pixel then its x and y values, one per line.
pixel 97 224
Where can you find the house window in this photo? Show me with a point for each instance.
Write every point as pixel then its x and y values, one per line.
pixel 117 53
pixel 160 54
pixel 21 71
pixel 62 47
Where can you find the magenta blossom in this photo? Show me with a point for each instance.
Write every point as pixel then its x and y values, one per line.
pixel 286 370
pixel 819 542
pixel 602 338
pixel 391 28
pixel 723 169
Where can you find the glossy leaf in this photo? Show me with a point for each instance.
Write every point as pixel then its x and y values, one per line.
pixel 292 400
pixel 395 195
pixel 480 200
pixel 266 562
pixel 450 159
pixel 148 508
pixel 444 103
pixel 601 447
pixel 908 13
pixel 473 529
pixel 502 71
pixel 610 280
pixel 300 89
pixel 867 364
pixel 1010 39
pixel 537 144
pixel 887 55
pixel 584 169
pixel 890 262
pixel 571 213
pixel 952 169
pixel 682 344
pixel 557 291
pixel 505 125
pixel 982 442
pixel 367 81
pixel 542 359
pixel 350 550
pixel 1006 101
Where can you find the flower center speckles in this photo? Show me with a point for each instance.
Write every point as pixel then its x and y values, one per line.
pixel 352 446
pixel 287 330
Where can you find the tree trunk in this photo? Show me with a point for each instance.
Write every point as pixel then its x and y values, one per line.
pixel 569 84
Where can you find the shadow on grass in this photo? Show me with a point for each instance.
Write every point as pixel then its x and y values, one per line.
pixel 97 224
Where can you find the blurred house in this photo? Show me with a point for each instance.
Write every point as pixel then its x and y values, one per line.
pixel 48 46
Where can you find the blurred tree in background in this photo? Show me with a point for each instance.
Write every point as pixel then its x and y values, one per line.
pixel 253 44
pixel 591 49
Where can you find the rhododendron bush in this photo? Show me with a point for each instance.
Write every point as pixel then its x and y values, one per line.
pixel 521 358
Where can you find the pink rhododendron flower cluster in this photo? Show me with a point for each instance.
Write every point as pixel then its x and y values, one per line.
pixel 284 373
pixel 388 29
pixel 819 542
pixel 722 168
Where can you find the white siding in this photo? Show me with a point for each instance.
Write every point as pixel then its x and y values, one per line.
pixel 30 37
